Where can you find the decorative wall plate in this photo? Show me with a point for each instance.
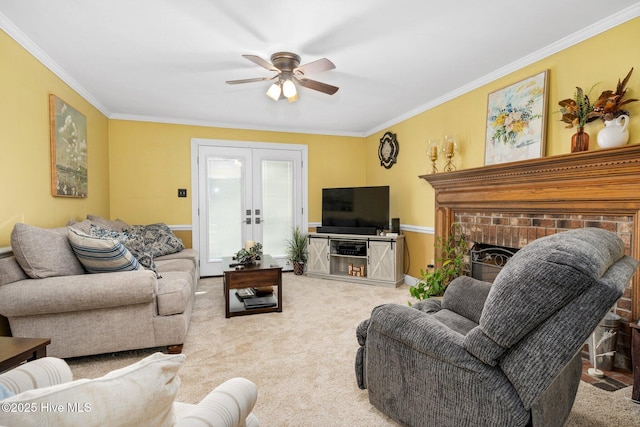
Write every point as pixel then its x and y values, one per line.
pixel 388 150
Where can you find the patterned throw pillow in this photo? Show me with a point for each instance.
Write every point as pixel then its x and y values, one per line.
pixel 158 239
pixel 101 255
pixel 133 242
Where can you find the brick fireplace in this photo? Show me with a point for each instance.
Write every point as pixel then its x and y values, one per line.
pixel 515 203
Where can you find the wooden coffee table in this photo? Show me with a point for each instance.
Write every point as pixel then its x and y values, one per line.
pixel 265 272
pixel 14 351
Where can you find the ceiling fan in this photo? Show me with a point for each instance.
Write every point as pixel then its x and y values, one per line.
pixel 288 71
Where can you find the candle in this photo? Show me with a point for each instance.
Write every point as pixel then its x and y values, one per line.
pixel 434 151
pixel 449 148
pixel 248 245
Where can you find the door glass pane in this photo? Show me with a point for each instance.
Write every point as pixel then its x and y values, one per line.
pixel 224 206
pixel 277 203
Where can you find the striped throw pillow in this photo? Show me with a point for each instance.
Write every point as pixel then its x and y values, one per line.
pixel 101 255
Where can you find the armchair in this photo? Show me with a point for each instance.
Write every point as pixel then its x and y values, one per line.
pixel 140 394
pixel 501 354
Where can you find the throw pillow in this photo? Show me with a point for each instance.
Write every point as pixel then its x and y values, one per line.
pixel 117 225
pixel 133 242
pixel 140 394
pixel 44 252
pixel 99 255
pixel 158 239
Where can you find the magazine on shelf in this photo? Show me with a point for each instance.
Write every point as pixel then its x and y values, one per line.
pixel 245 293
pixel 260 302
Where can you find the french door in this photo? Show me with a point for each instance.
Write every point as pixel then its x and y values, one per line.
pixel 246 192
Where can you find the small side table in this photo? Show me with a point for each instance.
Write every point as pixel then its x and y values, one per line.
pixel 14 350
pixel 264 273
pixel 635 361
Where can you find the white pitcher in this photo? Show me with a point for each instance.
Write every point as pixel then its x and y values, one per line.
pixel 614 133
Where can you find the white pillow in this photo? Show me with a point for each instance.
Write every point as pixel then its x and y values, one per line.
pixel 101 255
pixel 140 394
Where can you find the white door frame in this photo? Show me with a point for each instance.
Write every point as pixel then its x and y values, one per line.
pixel 196 143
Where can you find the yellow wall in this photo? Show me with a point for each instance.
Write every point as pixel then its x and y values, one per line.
pixel 25 162
pixel 602 59
pixel 150 161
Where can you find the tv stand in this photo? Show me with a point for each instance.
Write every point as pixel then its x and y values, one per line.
pixel 375 260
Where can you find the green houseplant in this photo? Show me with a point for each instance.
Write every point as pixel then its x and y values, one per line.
pixel 453 259
pixel 297 250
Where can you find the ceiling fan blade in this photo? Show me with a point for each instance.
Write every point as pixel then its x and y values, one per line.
pixel 257 79
pixel 319 86
pixel 315 66
pixel 261 62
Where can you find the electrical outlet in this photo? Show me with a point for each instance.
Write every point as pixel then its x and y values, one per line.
pixel 182 192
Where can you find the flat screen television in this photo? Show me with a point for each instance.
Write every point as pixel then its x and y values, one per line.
pixel 355 209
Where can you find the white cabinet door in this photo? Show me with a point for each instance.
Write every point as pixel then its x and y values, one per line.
pixel 318 261
pixel 382 260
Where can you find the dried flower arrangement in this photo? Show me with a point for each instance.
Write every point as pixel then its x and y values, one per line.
pixel 609 104
pixel 578 111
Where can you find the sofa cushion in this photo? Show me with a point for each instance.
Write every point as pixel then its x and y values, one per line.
pixel 43 252
pixel 140 394
pixel 10 271
pixel 100 255
pixel 174 293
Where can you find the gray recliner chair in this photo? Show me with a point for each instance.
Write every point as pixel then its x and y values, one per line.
pixel 506 354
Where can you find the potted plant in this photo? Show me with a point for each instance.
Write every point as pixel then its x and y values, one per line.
pixel 454 260
pixel 297 250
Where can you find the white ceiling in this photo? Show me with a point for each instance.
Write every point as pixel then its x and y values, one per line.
pixel 168 60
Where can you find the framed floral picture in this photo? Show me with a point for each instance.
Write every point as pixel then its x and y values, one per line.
pixel 516 121
pixel 68 128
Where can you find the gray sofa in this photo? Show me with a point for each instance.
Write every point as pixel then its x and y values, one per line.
pixel 505 354
pixel 46 291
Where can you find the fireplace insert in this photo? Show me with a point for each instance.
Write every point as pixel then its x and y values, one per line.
pixel 488 260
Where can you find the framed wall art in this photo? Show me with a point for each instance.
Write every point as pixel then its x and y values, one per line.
pixel 68 129
pixel 516 121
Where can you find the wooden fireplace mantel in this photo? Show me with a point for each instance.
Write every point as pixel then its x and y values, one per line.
pixel 601 182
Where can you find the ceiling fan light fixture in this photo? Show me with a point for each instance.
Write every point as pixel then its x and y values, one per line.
pixel 274 91
pixel 289 89
pixel 289 74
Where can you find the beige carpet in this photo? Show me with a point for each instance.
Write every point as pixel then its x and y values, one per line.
pixel 302 359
